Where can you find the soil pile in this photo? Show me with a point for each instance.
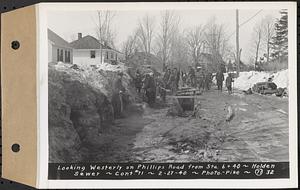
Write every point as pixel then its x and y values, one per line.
pixel 79 109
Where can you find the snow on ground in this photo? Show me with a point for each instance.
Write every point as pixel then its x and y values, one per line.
pixel 247 79
pixel 105 66
pixel 99 76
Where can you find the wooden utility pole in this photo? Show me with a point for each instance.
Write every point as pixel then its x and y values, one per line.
pixel 237 43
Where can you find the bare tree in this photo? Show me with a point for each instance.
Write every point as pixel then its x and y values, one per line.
pixel 145 33
pixel 130 46
pixel 257 39
pixel 168 27
pixel 179 51
pixel 104 30
pixel 217 41
pixel 267 34
pixel 195 41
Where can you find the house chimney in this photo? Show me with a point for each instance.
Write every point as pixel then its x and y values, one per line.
pixel 79 36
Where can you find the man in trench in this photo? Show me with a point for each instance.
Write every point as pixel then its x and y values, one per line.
pixel 118 96
pixel 150 88
pixel 138 81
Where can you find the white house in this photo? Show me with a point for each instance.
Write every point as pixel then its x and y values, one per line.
pixel 88 50
pixel 58 49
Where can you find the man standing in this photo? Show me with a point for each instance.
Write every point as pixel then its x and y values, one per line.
pixel 166 78
pixel 118 96
pixel 191 76
pixel 199 78
pixel 172 81
pixel 150 88
pixel 229 82
pixel 138 81
pixel 162 88
pixel 208 78
pixel 220 79
pixel 177 72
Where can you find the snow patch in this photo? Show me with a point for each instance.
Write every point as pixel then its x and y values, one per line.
pixel 247 79
pixel 99 76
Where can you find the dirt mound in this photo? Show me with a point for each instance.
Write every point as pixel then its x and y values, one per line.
pixel 64 141
pixel 78 112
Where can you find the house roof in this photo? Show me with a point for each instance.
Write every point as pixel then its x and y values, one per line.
pixel 88 42
pixel 57 40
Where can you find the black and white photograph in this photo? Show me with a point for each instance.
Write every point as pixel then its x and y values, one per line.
pixel 168 86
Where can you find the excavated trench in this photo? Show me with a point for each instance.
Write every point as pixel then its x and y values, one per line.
pixel 82 128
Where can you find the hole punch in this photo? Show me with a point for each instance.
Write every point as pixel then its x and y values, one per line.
pixel 15 45
pixel 15 147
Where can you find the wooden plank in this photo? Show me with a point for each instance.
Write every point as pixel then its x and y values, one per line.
pixel 184 96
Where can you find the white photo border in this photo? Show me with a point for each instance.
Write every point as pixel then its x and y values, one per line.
pixel 42 94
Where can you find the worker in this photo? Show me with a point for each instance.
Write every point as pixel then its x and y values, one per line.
pixel 150 88
pixel 177 76
pixel 228 82
pixel 208 80
pixel 191 76
pixel 166 78
pixel 138 81
pixel 118 96
pixel 220 79
pixel 172 81
pixel 199 78
pixel 162 88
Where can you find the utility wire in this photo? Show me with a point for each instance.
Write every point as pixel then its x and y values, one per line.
pixel 245 22
pixel 251 18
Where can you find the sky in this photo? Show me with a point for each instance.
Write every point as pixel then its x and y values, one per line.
pixel 68 23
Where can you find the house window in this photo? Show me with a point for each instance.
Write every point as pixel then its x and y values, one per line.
pixel 66 56
pixel 107 55
pixel 61 57
pixel 57 55
pixel 112 55
pixel 69 56
pixel 93 54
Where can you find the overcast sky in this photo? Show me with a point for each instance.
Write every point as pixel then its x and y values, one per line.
pixel 68 23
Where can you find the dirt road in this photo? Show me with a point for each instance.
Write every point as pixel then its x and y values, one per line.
pixel 258 131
